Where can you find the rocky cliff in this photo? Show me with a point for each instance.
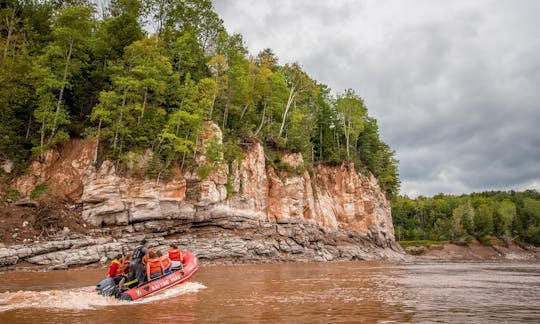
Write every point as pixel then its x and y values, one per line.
pixel 252 211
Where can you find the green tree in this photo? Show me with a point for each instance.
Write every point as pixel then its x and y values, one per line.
pixel 133 106
pixel 301 132
pixel 16 91
pixel 442 229
pixel 171 18
pixel 183 127
pixel 103 113
pixel 187 56
pixel 351 110
pixel 483 221
pixel 118 31
pixel 53 70
pixel 531 208
pixel 300 87
pixel 325 146
pixel 267 58
pixel 218 66
pixel 177 139
pixel 507 213
pixel 208 90
pixel 463 221
pixel 236 86
pixel 274 97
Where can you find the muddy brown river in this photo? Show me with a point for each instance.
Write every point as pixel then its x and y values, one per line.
pixel 346 292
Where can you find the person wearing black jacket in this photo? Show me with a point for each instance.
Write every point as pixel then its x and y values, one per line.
pixel 136 268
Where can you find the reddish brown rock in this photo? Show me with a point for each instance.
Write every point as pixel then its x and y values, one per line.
pixel 334 213
pixel 63 171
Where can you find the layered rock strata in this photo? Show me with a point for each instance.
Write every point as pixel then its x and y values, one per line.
pixel 212 241
pixel 252 211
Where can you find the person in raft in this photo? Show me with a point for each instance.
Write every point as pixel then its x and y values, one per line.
pixel 166 264
pixel 136 268
pixel 125 266
pixel 116 270
pixel 125 270
pixel 176 256
pixel 153 266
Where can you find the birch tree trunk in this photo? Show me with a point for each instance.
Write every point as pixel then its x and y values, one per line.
pixel 212 106
pixel 10 26
pixel 347 129
pixel 61 95
pixel 226 113
pixel 143 105
pixel 262 121
pixel 97 141
pixel 42 137
pixel 292 94
pixel 120 118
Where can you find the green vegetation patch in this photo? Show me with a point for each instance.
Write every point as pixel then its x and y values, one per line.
pixel 12 194
pixel 426 243
pixel 418 247
pixel 38 190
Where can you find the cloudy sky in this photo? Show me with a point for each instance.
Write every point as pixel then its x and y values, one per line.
pixel 455 85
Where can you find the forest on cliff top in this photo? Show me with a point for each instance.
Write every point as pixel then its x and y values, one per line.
pixel 68 71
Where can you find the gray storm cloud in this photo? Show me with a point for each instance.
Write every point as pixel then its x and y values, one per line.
pixel 455 85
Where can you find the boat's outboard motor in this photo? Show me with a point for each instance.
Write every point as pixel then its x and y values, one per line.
pixel 106 287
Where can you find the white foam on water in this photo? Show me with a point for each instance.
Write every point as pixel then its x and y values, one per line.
pixel 82 298
pixel 190 287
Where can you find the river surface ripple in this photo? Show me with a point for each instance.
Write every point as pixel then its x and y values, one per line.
pixel 343 292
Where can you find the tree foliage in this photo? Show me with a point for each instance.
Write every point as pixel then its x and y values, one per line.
pixel 67 73
pixel 460 218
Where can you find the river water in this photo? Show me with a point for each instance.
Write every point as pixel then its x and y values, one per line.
pixel 344 292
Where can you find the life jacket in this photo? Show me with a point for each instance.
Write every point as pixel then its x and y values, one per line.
pixel 175 254
pixel 120 269
pixel 125 266
pixel 165 264
pixel 153 266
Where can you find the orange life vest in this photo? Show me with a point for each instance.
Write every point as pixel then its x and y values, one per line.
pixel 153 265
pixel 175 254
pixel 125 266
pixel 165 263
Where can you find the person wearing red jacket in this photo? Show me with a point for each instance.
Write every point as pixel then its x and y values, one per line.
pixel 116 269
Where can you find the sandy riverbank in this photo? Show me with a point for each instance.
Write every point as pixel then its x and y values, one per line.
pixel 478 252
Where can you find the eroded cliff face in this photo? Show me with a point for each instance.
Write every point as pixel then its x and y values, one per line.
pixel 335 197
pixel 252 212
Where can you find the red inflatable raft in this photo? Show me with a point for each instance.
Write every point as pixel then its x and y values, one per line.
pixel 178 276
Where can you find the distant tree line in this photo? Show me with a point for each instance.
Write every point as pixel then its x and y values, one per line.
pixel 67 71
pixel 485 215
